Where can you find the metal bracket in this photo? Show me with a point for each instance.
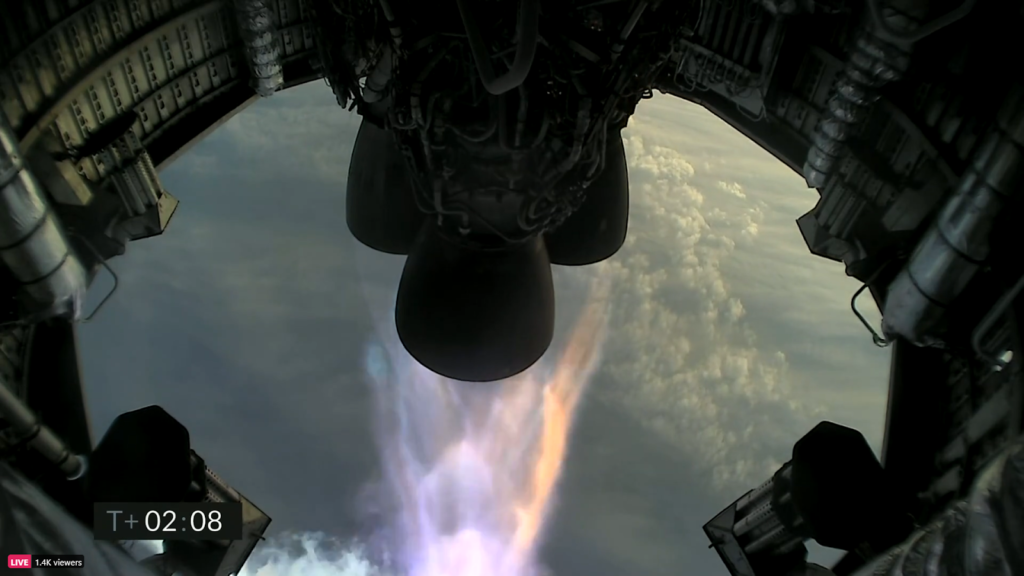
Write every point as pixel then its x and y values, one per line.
pixel 876 338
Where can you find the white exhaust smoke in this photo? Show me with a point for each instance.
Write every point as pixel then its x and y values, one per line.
pixel 309 554
pixel 470 471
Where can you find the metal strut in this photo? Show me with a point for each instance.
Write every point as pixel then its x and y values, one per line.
pixel 957 244
pixel 33 244
pixel 527 37
pixel 872 64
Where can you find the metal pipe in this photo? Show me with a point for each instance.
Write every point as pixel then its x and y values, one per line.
pixel 521 117
pixel 887 32
pixel 582 125
pixel 627 30
pixel 396 30
pixel 879 57
pixel 378 79
pixel 601 154
pixel 527 38
pixel 29 429
pixel 762 518
pixel 956 245
pixel 755 496
pixel 872 64
pixel 258 31
pixel 32 243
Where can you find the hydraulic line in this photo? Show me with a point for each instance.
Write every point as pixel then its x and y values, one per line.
pixel 32 242
pixel 527 38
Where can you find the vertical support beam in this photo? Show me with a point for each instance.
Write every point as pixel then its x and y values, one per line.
pixel 259 33
pixel 55 385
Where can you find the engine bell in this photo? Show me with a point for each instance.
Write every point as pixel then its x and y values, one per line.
pixel 475 315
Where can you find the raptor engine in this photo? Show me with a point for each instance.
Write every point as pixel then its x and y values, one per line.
pixel 490 148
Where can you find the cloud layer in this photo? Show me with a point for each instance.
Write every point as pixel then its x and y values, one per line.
pixel 712 236
pixel 686 362
pixel 309 554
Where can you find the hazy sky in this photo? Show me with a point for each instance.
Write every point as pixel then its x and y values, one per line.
pixel 246 320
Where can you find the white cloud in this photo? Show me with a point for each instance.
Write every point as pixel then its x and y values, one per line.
pixel 686 363
pixel 733 188
pixel 714 288
pixel 303 134
pixel 308 554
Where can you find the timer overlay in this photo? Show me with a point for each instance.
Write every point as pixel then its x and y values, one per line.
pixel 470 470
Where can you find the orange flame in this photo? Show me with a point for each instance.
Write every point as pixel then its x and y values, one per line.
pixel 474 468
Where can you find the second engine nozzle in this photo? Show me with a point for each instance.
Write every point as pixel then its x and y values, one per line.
pixel 475 315
pixel 380 209
pixel 596 230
